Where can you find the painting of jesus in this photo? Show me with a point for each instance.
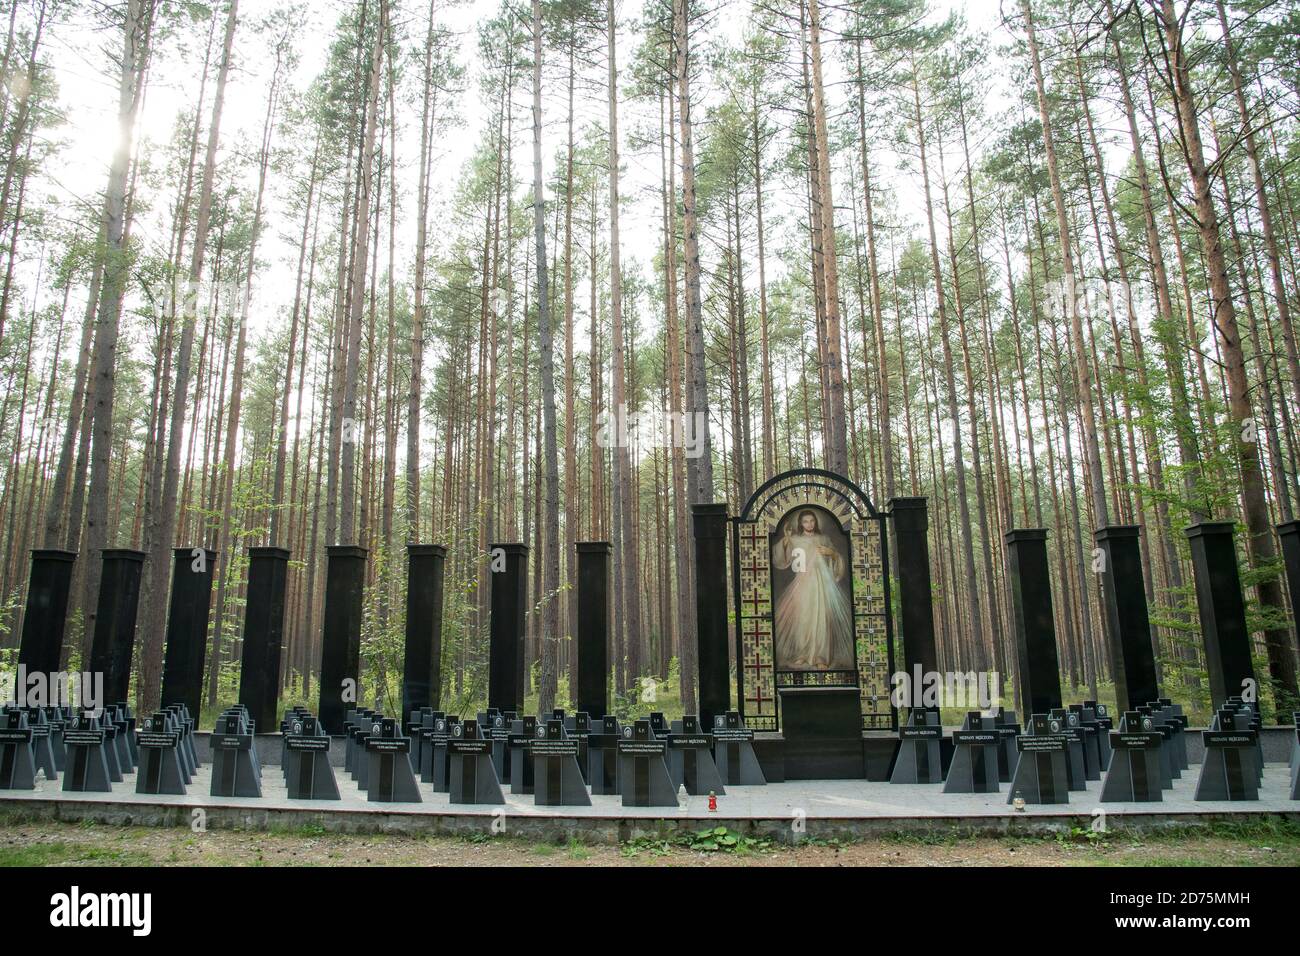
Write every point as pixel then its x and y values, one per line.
pixel 811 595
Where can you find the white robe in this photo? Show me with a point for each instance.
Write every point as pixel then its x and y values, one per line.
pixel 813 618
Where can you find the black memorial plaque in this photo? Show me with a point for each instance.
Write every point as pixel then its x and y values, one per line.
pixel 160 761
pixel 473 776
pixel 557 779
pixel 690 759
pixel 86 744
pixel 390 777
pixel 235 772
pixel 1041 775
pixel 974 767
pixel 733 752
pixel 642 773
pixel 17 763
pixel 307 767
pixel 919 759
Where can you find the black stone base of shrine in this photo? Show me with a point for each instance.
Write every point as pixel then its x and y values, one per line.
pixel 821 735
pixel 822 727
pixel 878 748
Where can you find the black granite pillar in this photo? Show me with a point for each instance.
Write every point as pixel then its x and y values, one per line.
pixel 187 628
pixel 46 611
pixel 115 613
pixel 508 585
pixel 1128 629
pixel 1037 672
pixel 340 654
pixel 710 524
pixel 259 665
pixel 916 604
pixel 1289 534
pixel 422 670
pixel 1222 610
pixel 593 628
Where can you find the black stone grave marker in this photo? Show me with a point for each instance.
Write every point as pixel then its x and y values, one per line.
pixel 497 730
pixel 353 718
pixel 184 726
pixel 473 778
pixel 414 728
pixel 521 762
pixel 1008 729
pixel 733 752
pixel 1170 730
pixel 357 727
pixel 160 761
pixel 1295 758
pixel 126 715
pixel 390 777
pixel 234 772
pixel 1227 771
pixel 1134 772
pixel 307 766
pixel 1295 746
pixel 434 722
pixel 1041 775
pixel 121 733
pixel 444 732
pixel 1098 714
pixel 602 757
pixel 17 764
pixel 581 731
pixel 1076 773
pixel 974 767
pixel 1165 764
pixel 42 752
pixel 1178 720
pixel 918 759
pixel 555 768
pixel 85 742
pixel 1101 714
pixel 57 720
pixel 642 774
pixel 1086 727
pixel 690 759
pixel 111 751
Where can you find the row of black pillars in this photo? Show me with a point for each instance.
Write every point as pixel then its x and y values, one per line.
pixel 1128 628
pixel 1219 595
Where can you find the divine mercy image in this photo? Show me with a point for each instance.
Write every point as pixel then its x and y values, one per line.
pixel 812 598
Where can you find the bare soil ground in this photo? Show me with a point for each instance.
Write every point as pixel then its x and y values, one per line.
pixel 58 844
